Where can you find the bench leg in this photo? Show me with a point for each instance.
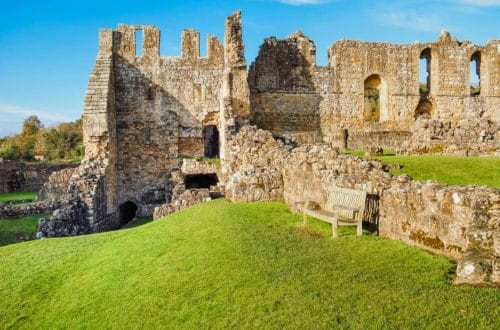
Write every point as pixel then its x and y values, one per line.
pixel 334 227
pixel 304 217
pixel 359 228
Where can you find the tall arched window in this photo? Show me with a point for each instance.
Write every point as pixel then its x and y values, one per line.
pixel 424 76
pixel 475 74
pixel 375 97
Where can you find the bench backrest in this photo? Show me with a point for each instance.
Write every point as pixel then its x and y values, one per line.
pixel 350 198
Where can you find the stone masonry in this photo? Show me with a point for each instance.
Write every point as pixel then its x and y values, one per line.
pixel 148 120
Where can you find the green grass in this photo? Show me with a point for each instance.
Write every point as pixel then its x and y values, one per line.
pixel 12 229
pixel 138 222
pixel 233 265
pixel 457 170
pixel 16 196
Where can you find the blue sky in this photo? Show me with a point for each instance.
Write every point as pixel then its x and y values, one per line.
pixel 47 48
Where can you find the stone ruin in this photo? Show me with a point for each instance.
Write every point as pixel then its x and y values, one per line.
pixel 277 130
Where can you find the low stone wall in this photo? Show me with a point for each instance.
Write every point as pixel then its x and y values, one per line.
pixel 467 137
pixel 385 139
pixel 459 222
pixel 186 199
pixel 181 197
pixel 8 210
pixel 20 176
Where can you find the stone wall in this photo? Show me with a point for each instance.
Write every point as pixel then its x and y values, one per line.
pixel 254 166
pixel 8 210
pixel 19 176
pixel 459 222
pixel 181 197
pixel 56 187
pixel 290 95
pixel 86 210
pixel 283 97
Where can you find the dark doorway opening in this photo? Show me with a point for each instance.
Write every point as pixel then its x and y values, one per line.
pixel 196 181
pixel 128 211
pixel 211 141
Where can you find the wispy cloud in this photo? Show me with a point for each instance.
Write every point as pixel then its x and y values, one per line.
pixel 302 2
pixel 26 111
pixel 411 20
pixel 482 3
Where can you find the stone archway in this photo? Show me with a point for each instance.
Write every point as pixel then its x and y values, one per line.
pixel 127 211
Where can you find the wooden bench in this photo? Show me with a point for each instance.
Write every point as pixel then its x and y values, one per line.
pixel 344 207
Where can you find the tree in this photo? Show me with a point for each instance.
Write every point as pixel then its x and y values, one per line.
pixel 31 126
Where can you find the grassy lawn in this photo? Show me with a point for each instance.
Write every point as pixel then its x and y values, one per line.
pixel 12 229
pixel 138 222
pixel 457 170
pixel 234 265
pixel 16 196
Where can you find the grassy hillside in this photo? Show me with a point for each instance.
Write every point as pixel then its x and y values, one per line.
pixel 233 265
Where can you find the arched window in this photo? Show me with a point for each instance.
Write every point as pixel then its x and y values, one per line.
pixel 424 73
pixel 475 74
pixel 375 96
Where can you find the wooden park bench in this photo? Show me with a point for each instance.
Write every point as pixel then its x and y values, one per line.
pixel 344 207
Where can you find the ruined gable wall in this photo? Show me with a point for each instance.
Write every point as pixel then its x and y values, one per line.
pixel 283 97
pixel 162 104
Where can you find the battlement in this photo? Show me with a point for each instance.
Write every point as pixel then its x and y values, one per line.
pixel 124 42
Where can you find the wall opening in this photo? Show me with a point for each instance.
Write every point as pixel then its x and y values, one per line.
pixel 127 212
pixel 424 74
pixel 375 97
pixel 211 141
pixel 196 181
pixel 475 74
pixel 138 43
pixel 424 109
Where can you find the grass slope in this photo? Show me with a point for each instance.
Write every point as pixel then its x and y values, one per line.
pixel 12 229
pixel 233 265
pixel 16 196
pixel 457 170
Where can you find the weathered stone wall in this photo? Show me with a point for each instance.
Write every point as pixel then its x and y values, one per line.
pixel 283 97
pixel 86 210
pixel 19 176
pixel 289 94
pixel 162 104
pixel 254 163
pixel 56 187
pixel 8 210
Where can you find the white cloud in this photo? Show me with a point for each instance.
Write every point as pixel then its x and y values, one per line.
pixel 302 2
pixel 483 3
pixel 412 20
pixel 12 117
pixel 25 111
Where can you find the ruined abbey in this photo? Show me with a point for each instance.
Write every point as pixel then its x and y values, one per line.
pixel 153 126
